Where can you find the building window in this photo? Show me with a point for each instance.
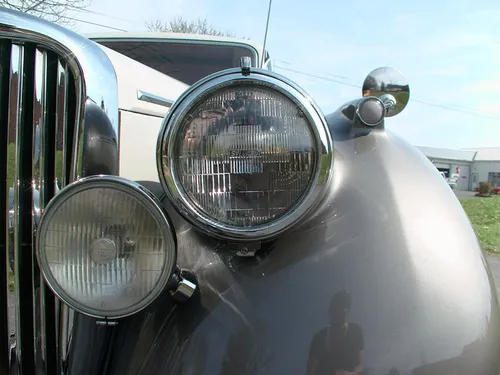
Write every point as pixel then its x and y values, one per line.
pixel 494 178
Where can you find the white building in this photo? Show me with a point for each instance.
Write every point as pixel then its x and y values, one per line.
pixel 473 165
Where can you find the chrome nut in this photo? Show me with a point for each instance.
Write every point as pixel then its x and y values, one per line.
pixel 184 289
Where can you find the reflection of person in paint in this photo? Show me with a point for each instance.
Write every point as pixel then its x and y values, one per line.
pixel 337 349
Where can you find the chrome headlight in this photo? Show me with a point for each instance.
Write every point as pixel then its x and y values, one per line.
pixel 105 247
pixel 244 156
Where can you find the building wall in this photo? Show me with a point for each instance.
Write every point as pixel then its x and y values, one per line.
pixel 481 169
pixel 464 181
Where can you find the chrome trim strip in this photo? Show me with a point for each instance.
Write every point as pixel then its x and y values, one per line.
pixel 169 134
pixel 154 99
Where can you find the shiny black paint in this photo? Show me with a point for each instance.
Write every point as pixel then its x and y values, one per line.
pixel 390 232
pixel 100 145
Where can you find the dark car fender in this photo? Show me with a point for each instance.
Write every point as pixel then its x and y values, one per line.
pixel 390 232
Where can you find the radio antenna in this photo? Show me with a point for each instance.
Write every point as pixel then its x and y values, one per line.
pixel 265 35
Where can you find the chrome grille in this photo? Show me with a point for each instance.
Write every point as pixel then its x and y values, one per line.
pixel 40 114
pixel 48 75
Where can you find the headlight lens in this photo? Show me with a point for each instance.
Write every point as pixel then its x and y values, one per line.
pixel 105 247
pixel 244 156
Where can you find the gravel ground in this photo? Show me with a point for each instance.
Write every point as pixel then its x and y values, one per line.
pixel 464 194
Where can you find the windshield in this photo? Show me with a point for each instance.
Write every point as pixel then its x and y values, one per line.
pixel 186 62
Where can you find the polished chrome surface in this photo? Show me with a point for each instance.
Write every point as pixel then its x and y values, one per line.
pixel 154 99
pixel 16 72
pixel 183 288
pixel 95 77
pixel 389 102
pixel 383 81
pixel 61 121
pixel 38 191
pixel 245 65
pixel 150 203
pixel 50 67
pixel 370 111
pixel 169 136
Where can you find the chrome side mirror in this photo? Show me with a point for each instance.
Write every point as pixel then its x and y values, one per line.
pixel 390 86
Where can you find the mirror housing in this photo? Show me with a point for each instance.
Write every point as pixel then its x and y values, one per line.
pixel 390 86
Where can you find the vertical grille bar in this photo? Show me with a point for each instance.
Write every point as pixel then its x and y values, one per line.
pixel 61 124
pixel 5 54
pixel 23 202
pixel 47 191
pixel 60 155
pixel 37 140
pixel 45 78
pixel 15 76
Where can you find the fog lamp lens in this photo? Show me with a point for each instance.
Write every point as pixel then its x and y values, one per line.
pixel 105 247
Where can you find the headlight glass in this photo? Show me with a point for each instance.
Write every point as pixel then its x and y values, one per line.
pixel 244 156
pixel 247 155
pixel 105 247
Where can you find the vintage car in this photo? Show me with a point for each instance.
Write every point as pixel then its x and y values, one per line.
pixel 271 239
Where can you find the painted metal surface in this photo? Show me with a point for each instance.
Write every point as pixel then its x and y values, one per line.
pixel 422 298
pixel 132 76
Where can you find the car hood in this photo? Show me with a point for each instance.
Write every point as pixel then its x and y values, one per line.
pixel 133 76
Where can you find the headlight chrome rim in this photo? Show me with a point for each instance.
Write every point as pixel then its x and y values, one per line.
pixel 171 129
pixel 153 205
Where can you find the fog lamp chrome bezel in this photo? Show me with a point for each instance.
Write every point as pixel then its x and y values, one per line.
pixel 171 131
pixel 151 203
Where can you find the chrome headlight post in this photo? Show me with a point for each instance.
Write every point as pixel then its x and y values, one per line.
pixel 245 154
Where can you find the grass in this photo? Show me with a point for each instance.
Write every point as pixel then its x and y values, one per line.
pixel 484 214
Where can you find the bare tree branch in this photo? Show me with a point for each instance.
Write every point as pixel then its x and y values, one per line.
pixel 179 25
pixel 58 11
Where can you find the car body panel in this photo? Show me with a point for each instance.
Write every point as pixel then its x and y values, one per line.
pixel 422 295
pixel 133 76
pixel 138 137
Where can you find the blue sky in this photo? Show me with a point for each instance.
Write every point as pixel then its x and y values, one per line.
pixel 449 50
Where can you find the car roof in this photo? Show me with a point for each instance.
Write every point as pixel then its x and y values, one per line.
pixel 176 37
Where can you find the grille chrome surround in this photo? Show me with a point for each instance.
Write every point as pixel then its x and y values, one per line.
pixel 169 136
pixel 47 74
